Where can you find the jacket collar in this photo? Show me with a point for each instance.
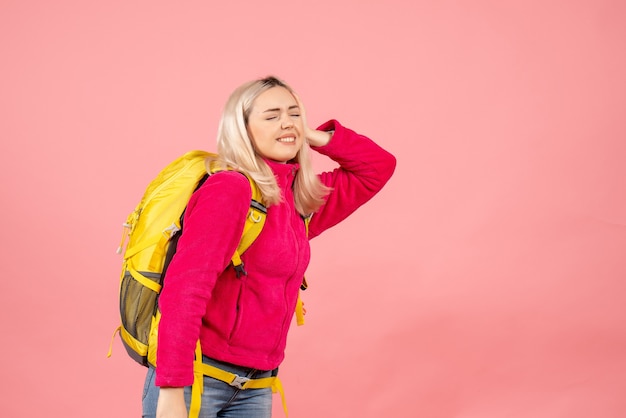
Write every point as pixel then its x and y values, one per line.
pixel 284 172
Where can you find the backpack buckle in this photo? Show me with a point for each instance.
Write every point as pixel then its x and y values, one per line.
pixel 239 381
pixel 240 271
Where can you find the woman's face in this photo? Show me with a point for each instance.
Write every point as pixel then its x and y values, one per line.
pixel 275 125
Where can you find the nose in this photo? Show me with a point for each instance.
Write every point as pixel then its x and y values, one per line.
pixel 286 122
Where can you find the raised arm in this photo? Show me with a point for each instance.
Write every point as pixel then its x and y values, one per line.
pixel 364 168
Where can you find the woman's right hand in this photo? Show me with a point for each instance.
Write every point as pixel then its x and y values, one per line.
pixel 171 403
pixel 313 136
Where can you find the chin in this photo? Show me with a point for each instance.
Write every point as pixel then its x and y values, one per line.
pixel 288 158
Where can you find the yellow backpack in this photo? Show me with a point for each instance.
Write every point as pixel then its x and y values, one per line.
pixel 153 229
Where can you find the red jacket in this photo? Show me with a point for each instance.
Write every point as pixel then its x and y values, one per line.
pixel 245 320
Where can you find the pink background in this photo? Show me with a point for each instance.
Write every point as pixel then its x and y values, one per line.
pixel 485 281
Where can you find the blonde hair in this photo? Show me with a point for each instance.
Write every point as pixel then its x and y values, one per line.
pixel 236 150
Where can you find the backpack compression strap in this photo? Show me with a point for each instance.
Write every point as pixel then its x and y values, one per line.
pixel 299 305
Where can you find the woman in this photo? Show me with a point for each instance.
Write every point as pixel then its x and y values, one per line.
pixel 242 321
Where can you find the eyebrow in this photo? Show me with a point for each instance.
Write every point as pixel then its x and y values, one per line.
pixel 277 109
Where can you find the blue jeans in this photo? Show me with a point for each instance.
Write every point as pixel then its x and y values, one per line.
pixel 219 399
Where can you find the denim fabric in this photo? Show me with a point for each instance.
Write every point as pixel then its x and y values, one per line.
pixel 218 399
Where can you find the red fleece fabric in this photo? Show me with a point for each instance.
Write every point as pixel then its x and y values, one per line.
pixel 245 320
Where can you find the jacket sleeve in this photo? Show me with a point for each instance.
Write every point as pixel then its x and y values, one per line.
pixel 212 227
pixel 364 168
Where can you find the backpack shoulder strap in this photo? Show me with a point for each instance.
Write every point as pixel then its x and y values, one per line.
pixel 252 228
pixel 254 221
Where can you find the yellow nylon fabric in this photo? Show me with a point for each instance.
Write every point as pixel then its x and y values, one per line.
pixel 254 221
pixel 112 339
pixel 198 385
pixel 132 342
pixel 178 180
pixel 299 311
pixel 153 337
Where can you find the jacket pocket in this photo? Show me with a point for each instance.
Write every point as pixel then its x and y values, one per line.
pixel 238 312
